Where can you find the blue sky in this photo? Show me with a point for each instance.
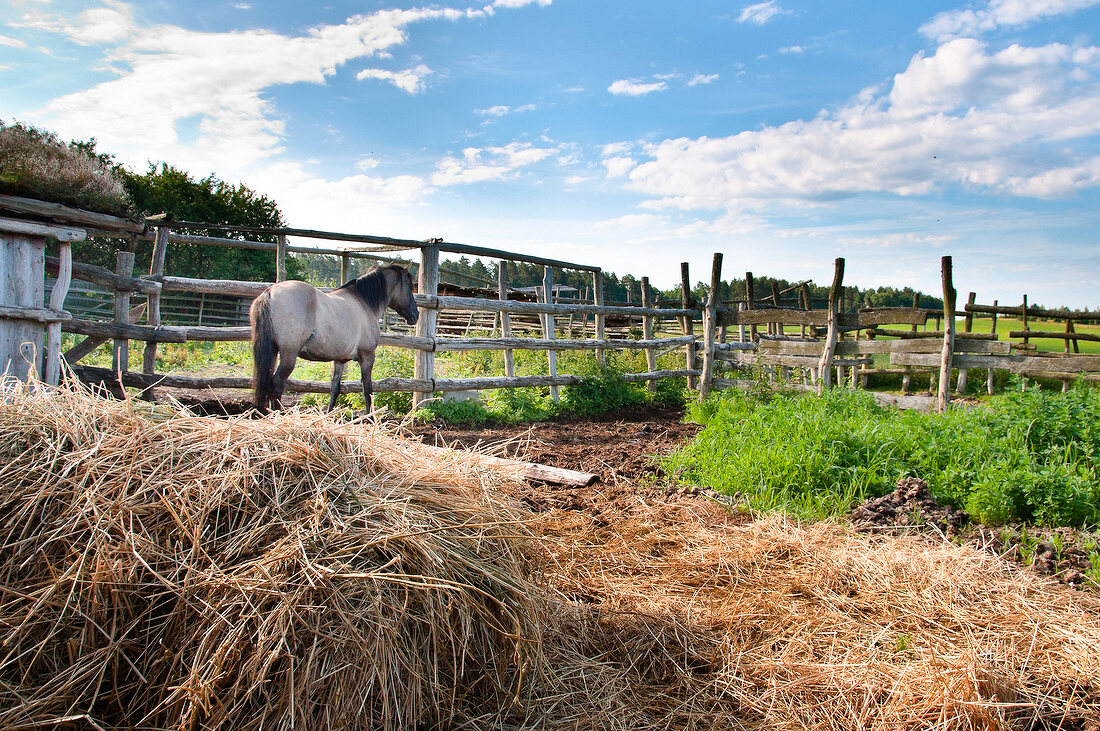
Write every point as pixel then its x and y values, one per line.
pixel 630 135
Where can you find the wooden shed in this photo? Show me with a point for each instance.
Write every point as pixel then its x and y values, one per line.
pixel 30 327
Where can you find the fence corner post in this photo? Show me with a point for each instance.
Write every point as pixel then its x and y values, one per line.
pixel 943 395
pixel 825 367
pixel 428 286
pixel 710 317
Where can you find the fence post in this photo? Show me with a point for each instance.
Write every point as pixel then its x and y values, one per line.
pixel 505 318
pixel 943 398
pixel 152 309
pixel 601 319
pixel 548 325
pixel 993 332
pixel 345 267
pixel 280 258
pixel 968 326
pixel 750 297
pixel 124 267
pixel 647 333
pixel 1023 317
pixel 51 370
pixel 428 285
pixel 825 367
pixel 710 317
pixel 687 323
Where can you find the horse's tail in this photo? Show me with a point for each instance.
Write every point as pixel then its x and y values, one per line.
pixel 263 352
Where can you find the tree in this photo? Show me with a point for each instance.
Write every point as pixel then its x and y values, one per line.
pixel 167 189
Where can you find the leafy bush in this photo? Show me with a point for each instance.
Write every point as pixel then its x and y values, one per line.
pixel 37 164
pixel 601 389
pixel 1030 455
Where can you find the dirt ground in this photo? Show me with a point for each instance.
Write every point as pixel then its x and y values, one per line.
pixel 622 449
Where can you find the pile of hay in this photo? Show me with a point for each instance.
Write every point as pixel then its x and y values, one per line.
pixel 699 620
pixel 232 574
pixel 293 572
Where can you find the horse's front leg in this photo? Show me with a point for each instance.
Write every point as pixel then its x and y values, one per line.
pixel 366 365
pixel 337 379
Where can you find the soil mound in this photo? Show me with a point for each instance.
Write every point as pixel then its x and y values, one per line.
pixel 910 505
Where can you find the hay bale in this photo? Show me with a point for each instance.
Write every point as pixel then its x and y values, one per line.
pixel 289 572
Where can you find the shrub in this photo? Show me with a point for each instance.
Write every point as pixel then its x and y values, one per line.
pixel 36 164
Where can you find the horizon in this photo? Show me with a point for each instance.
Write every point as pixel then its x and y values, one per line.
pixel 631 137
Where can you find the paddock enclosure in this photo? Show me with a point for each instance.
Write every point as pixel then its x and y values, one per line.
pixel 164 570
pixel 782 335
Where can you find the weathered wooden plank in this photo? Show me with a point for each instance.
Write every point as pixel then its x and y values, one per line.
pixel 67 214
pixel 210 286
pixel 34 314
pixel 928 334
pixel 526 470
pixel 51 368
pixel 63 234
pixel 1067 336
pixel 105 277
pixel 1033 312
pixel 820 318
pixel 112 330
pixel 21 288
pixel 452 344
pixel 466 304
pixel 1056 363
pixel 91 374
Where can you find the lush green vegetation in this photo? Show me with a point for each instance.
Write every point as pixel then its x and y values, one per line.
pixel 1028 455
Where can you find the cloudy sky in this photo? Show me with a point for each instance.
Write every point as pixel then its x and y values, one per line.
pixel 632 135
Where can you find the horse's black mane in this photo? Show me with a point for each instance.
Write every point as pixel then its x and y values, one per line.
pixel 371 287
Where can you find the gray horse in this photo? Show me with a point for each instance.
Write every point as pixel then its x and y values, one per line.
pixel 292 319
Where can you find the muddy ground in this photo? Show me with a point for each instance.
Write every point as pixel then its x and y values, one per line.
pixel 623 448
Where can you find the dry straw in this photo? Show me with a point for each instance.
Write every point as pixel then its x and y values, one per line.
pixel 161 570
pixel 285 573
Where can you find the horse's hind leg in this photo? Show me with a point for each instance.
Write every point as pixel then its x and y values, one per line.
pixel 337 377
pixel 366 365
pixel 287 359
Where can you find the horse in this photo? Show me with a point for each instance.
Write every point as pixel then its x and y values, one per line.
pixel 293 319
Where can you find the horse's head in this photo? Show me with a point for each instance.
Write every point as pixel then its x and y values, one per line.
pixel 401 295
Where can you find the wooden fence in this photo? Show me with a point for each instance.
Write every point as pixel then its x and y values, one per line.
pixel 445 323
pixel 780 332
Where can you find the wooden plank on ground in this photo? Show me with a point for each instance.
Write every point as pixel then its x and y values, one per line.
pixel 527 470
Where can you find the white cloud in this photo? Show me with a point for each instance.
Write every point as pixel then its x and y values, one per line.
pixel 634 221
pixel 343 204
pixel 12 42
pixel 636 87
pixel 760 13
pixel 618 167
pixel 616 148
pixel 220 79
pixel 501 110
pixel 112 23
pixel 410 80
pixel 479 165
pixel 700 79
pixel 1001 122
pixel 998 13
pixel 797 50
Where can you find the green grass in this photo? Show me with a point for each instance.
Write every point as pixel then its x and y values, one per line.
pixel 1029 455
